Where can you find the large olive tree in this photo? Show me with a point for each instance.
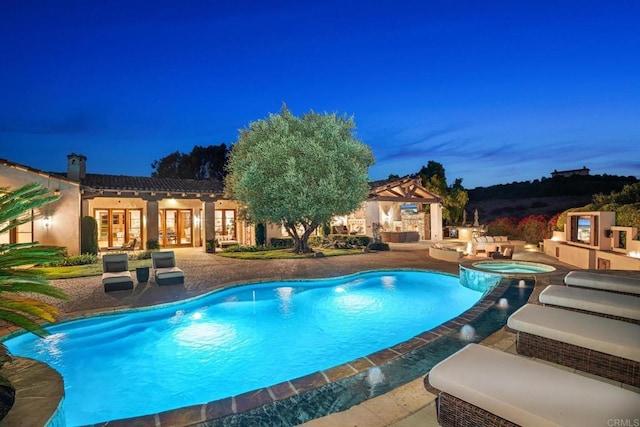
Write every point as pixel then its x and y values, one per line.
pixel 298 171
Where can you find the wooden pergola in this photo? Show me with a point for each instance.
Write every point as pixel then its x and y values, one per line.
pixel 408 190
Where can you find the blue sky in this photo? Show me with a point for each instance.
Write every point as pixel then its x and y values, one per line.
pixel 496 91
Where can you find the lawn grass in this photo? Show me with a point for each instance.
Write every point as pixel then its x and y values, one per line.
pixel 286 254
pixel 51 273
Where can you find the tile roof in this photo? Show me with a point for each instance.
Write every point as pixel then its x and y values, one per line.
pixel 25 168
pixel 143 183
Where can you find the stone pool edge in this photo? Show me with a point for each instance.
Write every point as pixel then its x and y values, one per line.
pixel 202 414
pixel 218 410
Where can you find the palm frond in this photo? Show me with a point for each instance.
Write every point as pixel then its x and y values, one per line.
pixel 17 255
pixel 34 286
pixel 30 306
pixel 17 279
pixel 16 205
pixel 23 322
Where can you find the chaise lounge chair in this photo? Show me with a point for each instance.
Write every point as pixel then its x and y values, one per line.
pixel 605 282
pixel 165 271
pixel 482 386
pixel 592 301
pixel 605 347
pixel 115 272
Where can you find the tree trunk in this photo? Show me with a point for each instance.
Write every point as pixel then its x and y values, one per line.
pixel 301 243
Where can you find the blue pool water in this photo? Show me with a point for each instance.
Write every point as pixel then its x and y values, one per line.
pixel 516 267
pixel 236 340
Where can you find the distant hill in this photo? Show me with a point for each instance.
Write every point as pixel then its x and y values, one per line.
pixel 547 196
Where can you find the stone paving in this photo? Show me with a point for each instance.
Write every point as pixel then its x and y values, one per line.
pixel 406 406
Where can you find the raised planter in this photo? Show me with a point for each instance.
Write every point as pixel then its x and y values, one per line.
pixel 444 254
pixel 400 236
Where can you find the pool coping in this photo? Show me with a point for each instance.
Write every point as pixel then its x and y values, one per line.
pixel 216 412
pixel 204 413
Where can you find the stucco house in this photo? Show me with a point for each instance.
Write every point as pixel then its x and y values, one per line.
pixel 132 210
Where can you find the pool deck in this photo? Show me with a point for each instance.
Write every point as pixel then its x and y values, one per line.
pixel 408 405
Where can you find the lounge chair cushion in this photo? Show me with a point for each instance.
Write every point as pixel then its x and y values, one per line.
pixel 530 393
pixel 115 266
pixel 607 336
pixel 117 281
pixel 164 262
pixel 121 276
pixel 592 300
pixel 169 276
pixel 607 282
pixel 169 272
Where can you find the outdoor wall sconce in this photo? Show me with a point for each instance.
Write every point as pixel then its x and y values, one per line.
pixel 46 221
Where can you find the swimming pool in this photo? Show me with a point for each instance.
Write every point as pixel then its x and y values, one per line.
pixel 232 341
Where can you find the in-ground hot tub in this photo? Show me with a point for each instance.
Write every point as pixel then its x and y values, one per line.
pixel 513 267
pixel 481 275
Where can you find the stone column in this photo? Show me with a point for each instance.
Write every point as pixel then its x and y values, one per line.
pixel 436 221
pixel 152 220
pixel 208 222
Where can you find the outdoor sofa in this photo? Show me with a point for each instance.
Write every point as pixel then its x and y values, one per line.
pixel 482 386
pixel 605 347
pixel 225 241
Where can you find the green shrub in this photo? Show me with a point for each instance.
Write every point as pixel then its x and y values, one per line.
pixel 238 248
pixel 83 259
pixel 281 242
pixel 141 255
pixel 211 246
pixel 261 234
pixel 349 239
pixel 89 235
pixel 343 241
pixel 316 241
pixel 379 246
pixel 628 215
pixel 153 244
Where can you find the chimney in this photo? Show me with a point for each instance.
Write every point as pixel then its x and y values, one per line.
pixel 76 166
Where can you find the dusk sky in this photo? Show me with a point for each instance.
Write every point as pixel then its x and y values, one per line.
pixel 495 91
